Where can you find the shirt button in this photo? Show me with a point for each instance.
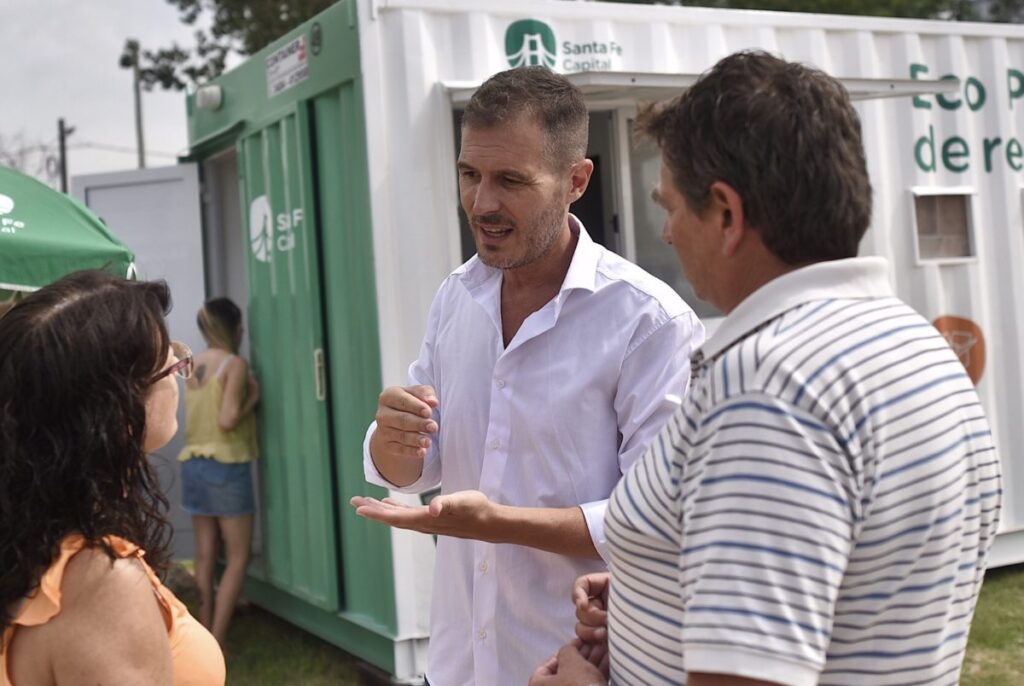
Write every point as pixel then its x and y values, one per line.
pixel 495 444
pixel 500 383
pixel 482 635
pixel 483 566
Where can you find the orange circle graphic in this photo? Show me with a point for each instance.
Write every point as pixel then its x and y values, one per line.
pixel 967 341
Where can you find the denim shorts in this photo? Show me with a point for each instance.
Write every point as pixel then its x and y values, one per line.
pixel 215 489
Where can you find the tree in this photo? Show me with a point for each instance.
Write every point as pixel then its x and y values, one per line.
pixel 956 10
pixel 34 158
pixel 235 26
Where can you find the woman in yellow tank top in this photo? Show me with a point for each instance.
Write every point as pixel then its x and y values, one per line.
pixel 88 387
pixel 216 470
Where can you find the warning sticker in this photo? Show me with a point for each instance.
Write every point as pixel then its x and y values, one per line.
pixel 967 341
pixel 287 66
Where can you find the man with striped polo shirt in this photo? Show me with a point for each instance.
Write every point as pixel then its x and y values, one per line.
pixel 820 508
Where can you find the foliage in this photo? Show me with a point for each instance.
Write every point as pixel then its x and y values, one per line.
pixel 242 27
pixel 957 10
pixel 32 157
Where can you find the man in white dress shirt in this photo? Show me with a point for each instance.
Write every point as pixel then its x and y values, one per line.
pixel 547 366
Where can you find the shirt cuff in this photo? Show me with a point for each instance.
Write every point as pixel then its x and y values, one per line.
pixel 750 664
pixel 373 475
pixel 593 513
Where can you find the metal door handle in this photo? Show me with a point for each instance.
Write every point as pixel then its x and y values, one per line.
pixel 320 374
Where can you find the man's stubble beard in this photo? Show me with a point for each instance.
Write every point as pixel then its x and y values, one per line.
pixel 538 242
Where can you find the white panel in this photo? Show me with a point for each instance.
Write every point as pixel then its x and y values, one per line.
pixel 155 212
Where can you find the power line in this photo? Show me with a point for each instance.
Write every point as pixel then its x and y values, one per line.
pixel 119 148
pixel 31 148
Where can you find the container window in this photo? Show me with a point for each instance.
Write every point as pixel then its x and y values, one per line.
pixel 944 226
pixel 648 220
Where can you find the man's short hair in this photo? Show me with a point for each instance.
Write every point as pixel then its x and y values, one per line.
pixel 554 103
pixel 786 138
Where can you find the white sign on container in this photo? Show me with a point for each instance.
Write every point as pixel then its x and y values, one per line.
pixel 287 66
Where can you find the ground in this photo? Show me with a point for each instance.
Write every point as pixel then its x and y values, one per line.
pixel 264 650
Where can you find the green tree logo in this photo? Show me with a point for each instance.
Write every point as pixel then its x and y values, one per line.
pixel 529 42
pixel 261 228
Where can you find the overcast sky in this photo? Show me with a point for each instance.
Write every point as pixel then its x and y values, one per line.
pixel 60 59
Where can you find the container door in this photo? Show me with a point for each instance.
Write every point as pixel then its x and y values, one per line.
pixel 286 330
pixel 156 212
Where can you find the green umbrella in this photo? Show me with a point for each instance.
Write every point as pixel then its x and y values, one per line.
pixel 45 235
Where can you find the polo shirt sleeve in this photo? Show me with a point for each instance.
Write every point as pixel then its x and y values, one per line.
pixel 421 373
pixel 653 379
pixel 769 509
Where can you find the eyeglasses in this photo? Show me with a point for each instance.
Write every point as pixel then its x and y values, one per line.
pixel 185 365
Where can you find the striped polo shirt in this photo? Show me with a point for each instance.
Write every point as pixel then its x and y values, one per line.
pixel 819 509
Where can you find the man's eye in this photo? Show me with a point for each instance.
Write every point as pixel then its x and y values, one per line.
pixel 513 181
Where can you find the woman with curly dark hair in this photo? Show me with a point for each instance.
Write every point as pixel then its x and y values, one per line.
pixel 88 387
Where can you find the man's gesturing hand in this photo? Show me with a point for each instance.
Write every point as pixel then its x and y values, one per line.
pixel 465 514
pixel 404 418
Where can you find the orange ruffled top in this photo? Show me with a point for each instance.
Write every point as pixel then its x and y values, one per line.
pixel 195 655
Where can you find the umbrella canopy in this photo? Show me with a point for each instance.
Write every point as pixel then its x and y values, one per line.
pixel 45 235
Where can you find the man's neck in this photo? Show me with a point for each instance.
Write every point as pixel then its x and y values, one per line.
pixel 753 276
pixel 548 272
pixel 528 289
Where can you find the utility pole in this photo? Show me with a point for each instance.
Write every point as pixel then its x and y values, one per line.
pixel 62 134
pixel 130 58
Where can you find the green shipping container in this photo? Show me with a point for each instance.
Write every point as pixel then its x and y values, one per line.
pixel 289 233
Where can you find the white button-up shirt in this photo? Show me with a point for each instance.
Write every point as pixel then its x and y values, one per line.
pixel 553 420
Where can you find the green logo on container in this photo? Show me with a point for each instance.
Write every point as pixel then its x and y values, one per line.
pixel 261 228
pixel 529 42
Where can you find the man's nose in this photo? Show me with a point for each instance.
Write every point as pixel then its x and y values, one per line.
pixel 666 234
pixel 486 199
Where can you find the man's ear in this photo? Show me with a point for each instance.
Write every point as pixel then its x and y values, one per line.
pixel 579 176
pixel 728 206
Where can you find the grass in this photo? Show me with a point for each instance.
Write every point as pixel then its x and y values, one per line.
pixel 263 650
pixel 995 651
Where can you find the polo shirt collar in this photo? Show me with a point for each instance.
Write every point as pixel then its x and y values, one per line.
pixel 856 277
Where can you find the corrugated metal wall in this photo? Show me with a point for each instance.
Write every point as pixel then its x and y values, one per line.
pixel 347 250
pixel 287 343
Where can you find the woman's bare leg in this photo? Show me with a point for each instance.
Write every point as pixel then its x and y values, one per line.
pixel 206 558
pixel 237 534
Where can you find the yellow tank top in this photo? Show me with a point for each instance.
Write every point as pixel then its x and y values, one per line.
pixel 195 655
pixel 203 435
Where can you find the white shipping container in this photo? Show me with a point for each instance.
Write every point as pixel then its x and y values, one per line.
pixel 945 158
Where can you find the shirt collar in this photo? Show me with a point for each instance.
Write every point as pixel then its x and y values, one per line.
pixel 582 271
pixel 856 277
pixel 583 268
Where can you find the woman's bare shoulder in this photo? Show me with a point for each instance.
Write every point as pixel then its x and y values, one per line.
pixel 108 610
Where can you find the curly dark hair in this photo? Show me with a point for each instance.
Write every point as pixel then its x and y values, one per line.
pixel 76 361
pixel 786 138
